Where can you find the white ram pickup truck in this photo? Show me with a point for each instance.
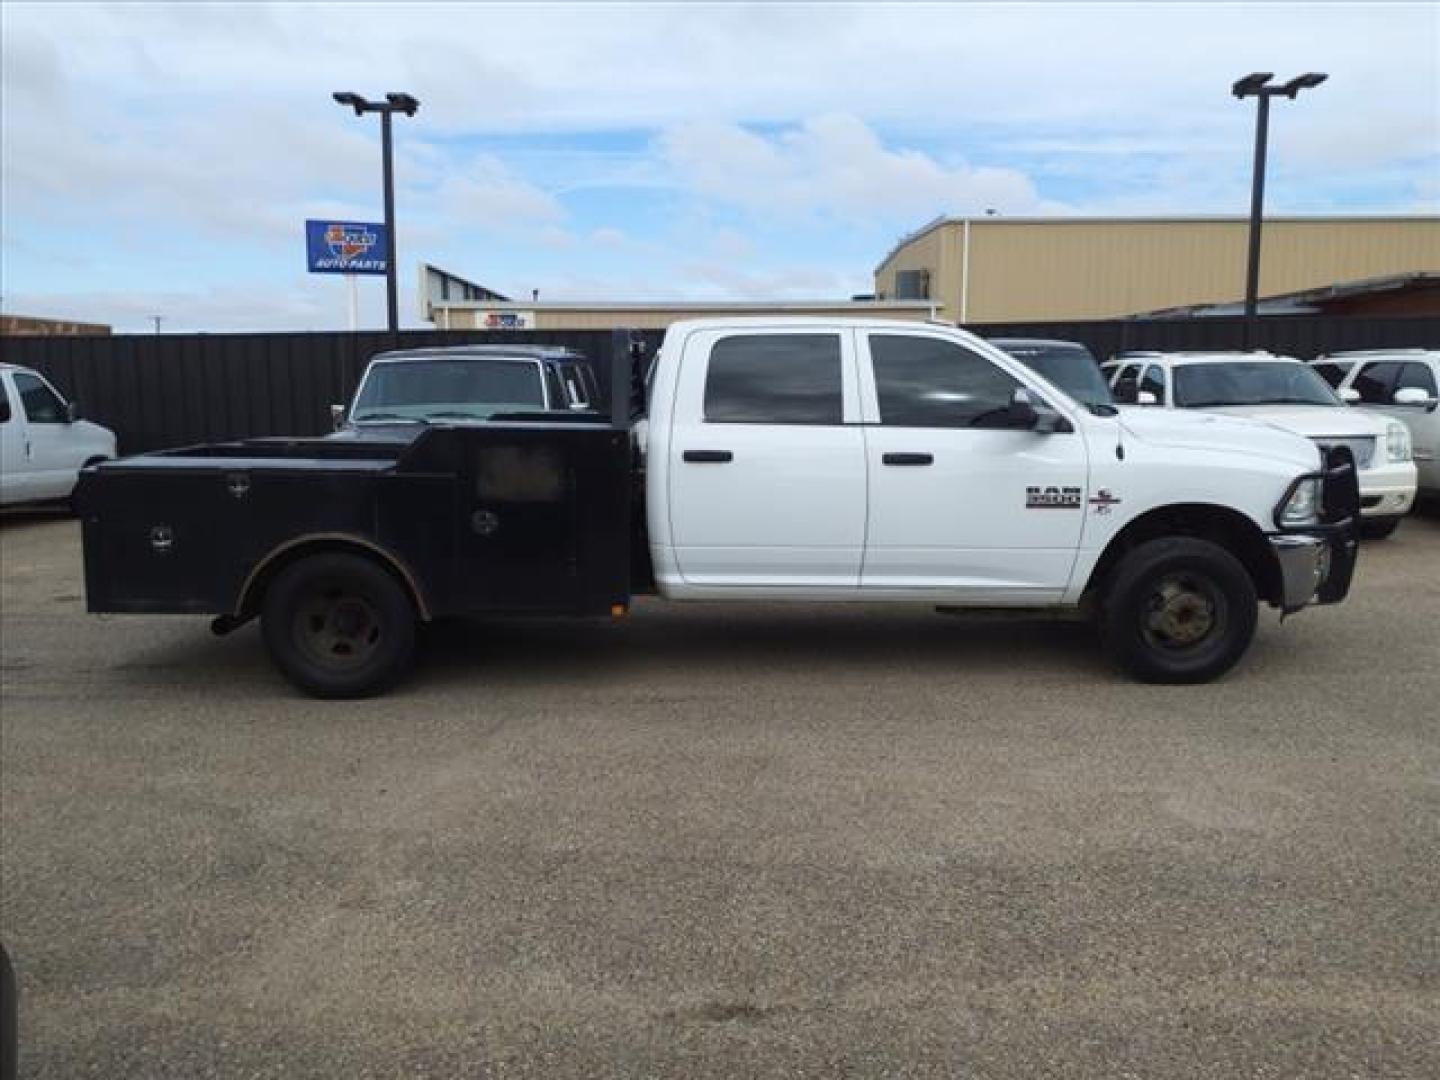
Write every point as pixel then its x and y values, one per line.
pixel 773 459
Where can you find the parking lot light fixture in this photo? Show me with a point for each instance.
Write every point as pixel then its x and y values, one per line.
pixel 394 102
pixel 1258 85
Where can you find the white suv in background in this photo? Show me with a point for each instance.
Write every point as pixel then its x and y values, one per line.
pixel 43 442
pixel 1400 383
pixel 1286 393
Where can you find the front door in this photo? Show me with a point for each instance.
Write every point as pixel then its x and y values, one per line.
pixel 50 456
pixel 959 504
pixel 766 478
pixel 14 461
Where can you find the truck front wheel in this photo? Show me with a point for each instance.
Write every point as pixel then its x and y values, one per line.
pixel 1179 610
pixel 338 626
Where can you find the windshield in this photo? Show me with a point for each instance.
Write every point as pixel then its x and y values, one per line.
pixel 1201 386
pixel 1071 368
pixel 419 390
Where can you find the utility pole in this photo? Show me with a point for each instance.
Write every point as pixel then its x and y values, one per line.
pixel 392 104
pixel 1258 86
pixel 157 320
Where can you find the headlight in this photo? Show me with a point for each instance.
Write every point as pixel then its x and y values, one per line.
pixel 1303 506
pixel 1397 442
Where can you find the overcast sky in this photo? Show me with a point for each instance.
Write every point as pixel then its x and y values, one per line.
pixel 162 159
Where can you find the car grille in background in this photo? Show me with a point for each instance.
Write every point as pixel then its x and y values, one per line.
pixel 1363 447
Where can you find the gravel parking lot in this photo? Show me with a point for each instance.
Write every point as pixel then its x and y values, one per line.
pixel 724 842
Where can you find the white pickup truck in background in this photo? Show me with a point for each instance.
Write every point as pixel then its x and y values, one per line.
pixel 1289 394
pixel 43 442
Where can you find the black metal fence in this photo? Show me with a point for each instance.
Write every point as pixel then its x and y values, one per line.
pixel 157 391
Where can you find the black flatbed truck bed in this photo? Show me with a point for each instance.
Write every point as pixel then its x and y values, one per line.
pixel 525 515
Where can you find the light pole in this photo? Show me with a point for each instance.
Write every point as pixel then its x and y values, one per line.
pixel 393 103
pixel 1257 85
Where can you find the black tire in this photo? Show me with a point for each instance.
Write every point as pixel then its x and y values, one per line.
pixel 1179 610
pixel 1379 528
pixel 9 1018
pixel 339 626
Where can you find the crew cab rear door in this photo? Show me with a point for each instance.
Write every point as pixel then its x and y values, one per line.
pixel 766 478
pixel 958 504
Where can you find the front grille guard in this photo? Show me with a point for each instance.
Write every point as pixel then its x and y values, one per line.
pixel 1340 500
pixel 1340 512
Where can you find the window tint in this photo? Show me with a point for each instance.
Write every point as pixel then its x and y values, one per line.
pixel 42 405
pixel 1374 382
pixel 416 389
pixel 926 382
pixel 1417 376
pixel 774 379
pixel 1154 382
pixel 1334 374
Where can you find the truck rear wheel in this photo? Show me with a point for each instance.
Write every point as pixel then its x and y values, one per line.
pixel 339 626
pixel 1179 610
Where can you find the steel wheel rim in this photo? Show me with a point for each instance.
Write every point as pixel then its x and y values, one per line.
pixel 337 628
pixel 1183 611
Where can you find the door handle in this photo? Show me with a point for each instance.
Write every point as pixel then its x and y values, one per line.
pixel 717 457
pixel 908 459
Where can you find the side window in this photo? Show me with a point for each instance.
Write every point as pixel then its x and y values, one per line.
pixel 42 405
pixel 1154 382
pixel 775 379
pixel 1374 381
pixel 1127 384
pixel 1418 377
pixel 927 382
pixel 1334 374
pixel 4 402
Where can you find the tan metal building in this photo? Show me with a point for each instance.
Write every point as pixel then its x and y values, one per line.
pixel 452 303
pixel 997 269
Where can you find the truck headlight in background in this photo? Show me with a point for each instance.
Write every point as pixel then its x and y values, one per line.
pixel 1303 505
pixel 1397 442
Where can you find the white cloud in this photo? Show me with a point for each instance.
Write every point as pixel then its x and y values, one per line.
pixel 836 164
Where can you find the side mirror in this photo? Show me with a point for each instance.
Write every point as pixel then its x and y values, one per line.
pixel 337 417
pixel 1146 397
pixel 72 412
pixel 1411 395
pixel 1350 395
pixel 1020 413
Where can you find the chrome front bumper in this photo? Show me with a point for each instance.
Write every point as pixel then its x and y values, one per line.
pixel 1304 565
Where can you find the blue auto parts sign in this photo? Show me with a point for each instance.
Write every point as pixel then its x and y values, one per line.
pixel 346 247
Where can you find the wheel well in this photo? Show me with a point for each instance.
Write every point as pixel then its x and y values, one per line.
pixel 1228 528
pixel 252 592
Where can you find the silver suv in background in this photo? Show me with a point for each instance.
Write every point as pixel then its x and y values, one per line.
pixel 1400 383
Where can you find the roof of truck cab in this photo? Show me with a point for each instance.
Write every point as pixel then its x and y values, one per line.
pixel 518 351
pixel 816 322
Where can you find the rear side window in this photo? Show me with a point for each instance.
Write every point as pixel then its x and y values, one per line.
pixel 1374 381
pixel 42 405
pixel 1334 374
pixel 1416 377
pixel 775 379
pixel 927 382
